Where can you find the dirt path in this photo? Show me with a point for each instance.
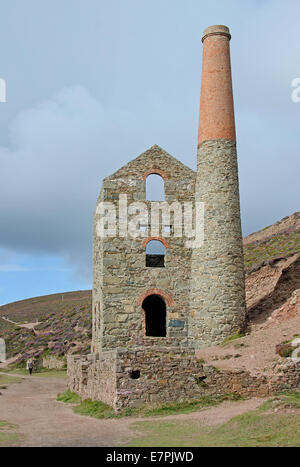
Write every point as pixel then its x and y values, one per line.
pixel 26 326
pixel 43 421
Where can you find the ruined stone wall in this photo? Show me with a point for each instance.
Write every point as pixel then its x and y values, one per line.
pixel 166 374
pixel 53 362
pixel 93 376
pixel 217 269
pixel 241 382
pixel 120 275
pixel 287 377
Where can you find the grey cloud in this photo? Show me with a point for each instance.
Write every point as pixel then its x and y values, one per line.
pixel 139 65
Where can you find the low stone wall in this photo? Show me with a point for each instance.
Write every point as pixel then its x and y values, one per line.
pixel 235 381
pixel 93 376
pixel 53 362
pixel 148 376
pixel 166 375
pixel 287 377
pixel 130 378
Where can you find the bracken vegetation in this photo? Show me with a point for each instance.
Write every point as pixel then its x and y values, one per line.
pixel 61 332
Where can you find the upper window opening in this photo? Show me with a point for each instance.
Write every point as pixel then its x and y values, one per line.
pixel 155 254
pixel 155 188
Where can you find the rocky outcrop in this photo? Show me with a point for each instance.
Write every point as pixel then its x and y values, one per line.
pixel 271 287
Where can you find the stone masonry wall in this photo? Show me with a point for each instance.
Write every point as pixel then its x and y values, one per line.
pixel 167 375
pixel 54 362
pixel 287 377
pixel 217 296
pixel 120 275
pixel 177 378
pixel 93 376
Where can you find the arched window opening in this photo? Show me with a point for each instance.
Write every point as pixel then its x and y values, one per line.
pixel 155 316
pixel 155 254
pixel 155 188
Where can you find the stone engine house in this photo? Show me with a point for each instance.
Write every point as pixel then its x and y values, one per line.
pixel 136 302
pixel 151 311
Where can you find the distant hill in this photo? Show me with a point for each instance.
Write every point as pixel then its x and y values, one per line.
pixel 39 308
pixel 65 326
pixel 280 240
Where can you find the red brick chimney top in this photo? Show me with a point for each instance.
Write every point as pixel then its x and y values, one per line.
pixel 216 118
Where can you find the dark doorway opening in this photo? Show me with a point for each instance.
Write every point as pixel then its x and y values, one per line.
pixel 155 316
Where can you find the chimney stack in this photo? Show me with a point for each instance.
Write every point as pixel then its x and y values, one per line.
pixel 216 118
pixel 217 305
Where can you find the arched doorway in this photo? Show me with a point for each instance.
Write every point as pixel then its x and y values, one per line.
pixel 155 316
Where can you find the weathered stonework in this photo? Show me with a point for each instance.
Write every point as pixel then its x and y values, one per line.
pixel 53 362
pixel 120 275
pixel 217 307
pixel 108 376
pixel 287 377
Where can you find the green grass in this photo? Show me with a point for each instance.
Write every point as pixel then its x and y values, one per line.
pixel 229 339
pixel 16 370
pixel 44 372
pixel 6 379
pixel 262 251
pixel 249 429
pixel 262 427
pixel 94 409
pixel 8 434
pixel 182 407
pixel 98 409
pixel 284 400
pixel 68 397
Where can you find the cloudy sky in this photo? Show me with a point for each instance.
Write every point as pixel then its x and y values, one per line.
pixel 92 84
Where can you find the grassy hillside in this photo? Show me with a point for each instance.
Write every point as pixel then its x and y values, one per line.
pixel 39 308
pixel 64 330
pixel 65 325
pixel 279 240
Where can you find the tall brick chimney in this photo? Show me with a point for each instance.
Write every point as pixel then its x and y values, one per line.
pixel 217 269
pixel 216 118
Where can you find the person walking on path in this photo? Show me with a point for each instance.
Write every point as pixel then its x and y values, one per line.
pixel 30 367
